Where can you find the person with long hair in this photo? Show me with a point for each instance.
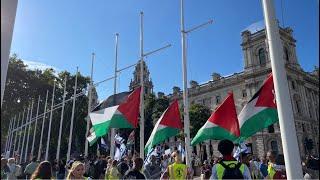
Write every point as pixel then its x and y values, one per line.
pixel 43 171
pixel 76 171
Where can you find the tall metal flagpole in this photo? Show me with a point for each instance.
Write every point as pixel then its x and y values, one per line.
pixel 28 136
pixel 112 148
pixel 8 135
pixel 12 131
pixel 20 132
pixel 42 127
pixel 185 81
pixel 24 135
pixel 142 90
pixel 185 89
pixel 50 121
pixel 61 118
pixel 35 128
pixel 72 117
pixel 284 106
pixel 89 107
pixel 15 136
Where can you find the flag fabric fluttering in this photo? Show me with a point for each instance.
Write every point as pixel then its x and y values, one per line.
pixel 120 147
pixel 103 144
pixel 260 112
pixel 182 151
pixel 131 137
pixel 222 124
pixel 240 149
pixel 168 125
pixel 124 115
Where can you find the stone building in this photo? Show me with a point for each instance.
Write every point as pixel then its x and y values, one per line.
pixel 303 87
pixel 148 85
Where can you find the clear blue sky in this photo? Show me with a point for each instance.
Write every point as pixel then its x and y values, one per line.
pixel 63 34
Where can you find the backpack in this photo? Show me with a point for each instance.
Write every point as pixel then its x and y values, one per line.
pixel 232 171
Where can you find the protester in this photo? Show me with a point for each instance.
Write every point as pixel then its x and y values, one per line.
pixel 123 166
pixel 152 170
pixel 164 163
pixel 263 167
pixel 177 170
pixel 102 166
pixel 135 173
pixel 108 169
pixel 61 169
pixel 43 171
pixel 31 167
pixel 112 171
pixel 14 169
pixel 228 167
pixel 205 170
pixel 4 168
pixel 76 171
pixel 276 168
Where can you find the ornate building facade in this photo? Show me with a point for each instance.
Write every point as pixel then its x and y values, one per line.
pixel 303 87
pixel 148 85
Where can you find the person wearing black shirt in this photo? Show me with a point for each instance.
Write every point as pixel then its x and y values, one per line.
pixel 135 172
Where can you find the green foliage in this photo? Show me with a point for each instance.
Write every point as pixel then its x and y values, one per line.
pixel 24 85
pixel 198 115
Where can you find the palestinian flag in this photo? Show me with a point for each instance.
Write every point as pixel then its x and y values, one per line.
pixel 260 112
pixel 124 115
pixel 167 126
pixel 92 138
pixel 130 140
pixel 222 124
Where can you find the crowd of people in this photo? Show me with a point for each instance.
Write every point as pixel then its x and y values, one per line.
pixel 158 167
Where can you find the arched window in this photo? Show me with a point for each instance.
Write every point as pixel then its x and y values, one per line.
pixel 274 146
pixel 262 56
pixel 286 54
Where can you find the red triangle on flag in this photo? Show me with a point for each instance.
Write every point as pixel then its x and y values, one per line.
pixel 267 94
pixel 171 117
pixel 225 116
pixel 130 108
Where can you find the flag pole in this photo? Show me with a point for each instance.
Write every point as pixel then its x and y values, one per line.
pixel 89 106
pixel 8 135
pixel 72 116
pixel 61 118
pixel 15 137
pixel 185 80
pixel 185 88
pixel 35 128
pixel 50 120
pixel 43 120
pixel 142 90
pixel 20 131
pixel 24 135
pixel 28 136
pixel 112 148
pixel 284 106
pixel 11 134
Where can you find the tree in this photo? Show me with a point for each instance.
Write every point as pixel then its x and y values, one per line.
pixel 198 114
pixel 24 85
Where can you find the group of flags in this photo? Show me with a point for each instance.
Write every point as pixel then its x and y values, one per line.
pixel 259 113
pixel 224 123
